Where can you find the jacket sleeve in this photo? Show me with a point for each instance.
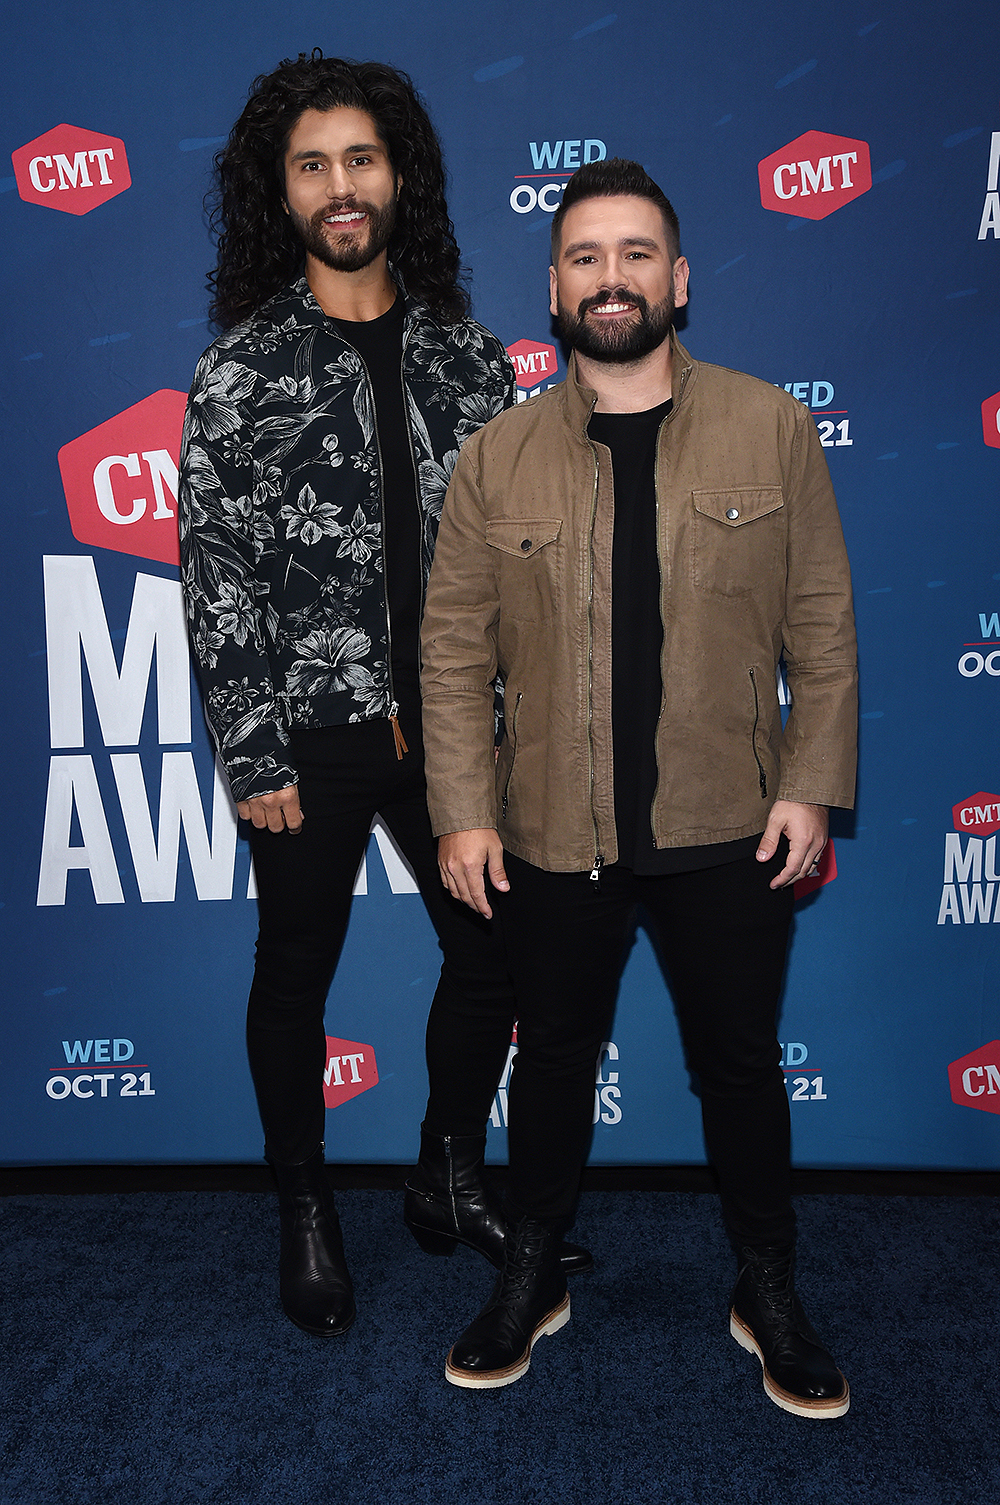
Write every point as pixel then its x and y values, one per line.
pixel 223 592
pixel 459 660
pixel 819 746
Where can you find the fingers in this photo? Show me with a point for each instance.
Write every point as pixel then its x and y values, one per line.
pixel 802 858
pixel 463 858
pixel 806 827
pixel 280 811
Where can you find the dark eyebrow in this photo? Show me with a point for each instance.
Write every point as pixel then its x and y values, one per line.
pixel 626 240
pixel 313 152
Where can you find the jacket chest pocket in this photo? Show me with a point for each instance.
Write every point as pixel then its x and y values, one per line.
pixel 528 552
pixel 738 539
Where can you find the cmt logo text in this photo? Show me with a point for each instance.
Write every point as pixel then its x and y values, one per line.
pixel 120 479
pixel 350 1070
pixel 814 175
pixel 534 363
pixel 553 160
pixel 71 169
pixel 971 879
pixel 975 1079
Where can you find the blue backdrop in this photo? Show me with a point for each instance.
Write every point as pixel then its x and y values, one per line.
pixel 835 171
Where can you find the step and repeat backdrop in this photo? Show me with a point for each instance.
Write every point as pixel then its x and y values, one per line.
pixel 836 171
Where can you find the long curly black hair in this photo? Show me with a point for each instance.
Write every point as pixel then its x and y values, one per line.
pixel 259 252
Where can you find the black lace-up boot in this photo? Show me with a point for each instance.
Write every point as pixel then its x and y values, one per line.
pixel 767 1319
pixel 316 1290
pixel 529 1301
pixel 447 1203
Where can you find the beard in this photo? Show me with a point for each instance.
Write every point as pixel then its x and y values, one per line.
pixel 617 344
pixel 348 252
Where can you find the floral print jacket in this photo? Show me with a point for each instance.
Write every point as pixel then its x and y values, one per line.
pixel 280 512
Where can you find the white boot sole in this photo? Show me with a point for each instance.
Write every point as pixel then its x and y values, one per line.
pixel 493 1379
pixel 820 1410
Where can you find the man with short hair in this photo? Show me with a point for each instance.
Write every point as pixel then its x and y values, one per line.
pixel 320 433
pixel 635 550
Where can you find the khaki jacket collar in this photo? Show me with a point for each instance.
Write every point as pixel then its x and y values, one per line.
pixel 579 401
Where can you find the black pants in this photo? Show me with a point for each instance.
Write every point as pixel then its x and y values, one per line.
pixel 722 933
pixel 347 774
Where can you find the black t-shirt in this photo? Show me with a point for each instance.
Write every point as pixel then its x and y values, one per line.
pixel 636 645
pixel 379 342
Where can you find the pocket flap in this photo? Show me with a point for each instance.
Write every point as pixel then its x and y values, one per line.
pixel 522 536
pixel 739 504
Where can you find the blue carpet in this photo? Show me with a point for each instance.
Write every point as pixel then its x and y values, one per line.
pixel 148 1361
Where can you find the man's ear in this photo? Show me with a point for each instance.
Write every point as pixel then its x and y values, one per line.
pixel 553 292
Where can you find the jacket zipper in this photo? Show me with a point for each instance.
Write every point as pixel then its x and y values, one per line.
pixel 595 872
pixel 761 775
pixel 663 624
pixel 504 802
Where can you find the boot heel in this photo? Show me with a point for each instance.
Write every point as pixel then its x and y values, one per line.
pixel 433 1243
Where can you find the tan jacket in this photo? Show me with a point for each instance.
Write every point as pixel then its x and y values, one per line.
pixel 752 566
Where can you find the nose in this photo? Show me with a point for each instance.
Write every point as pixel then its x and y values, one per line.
pixel 615 272
pixel 339 184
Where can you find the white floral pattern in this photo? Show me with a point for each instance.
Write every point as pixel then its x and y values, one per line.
pixel 281 541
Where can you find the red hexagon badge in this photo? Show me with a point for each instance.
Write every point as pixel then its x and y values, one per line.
pixel 120 479
pixel 991 421
pixel 975 1078
pixel 814 175
pixel 534 362
pixel 350 1070
pixel 72 169
pixel 979 814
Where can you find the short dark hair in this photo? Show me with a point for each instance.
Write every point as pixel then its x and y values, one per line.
pixel 259 252
pixel 614 178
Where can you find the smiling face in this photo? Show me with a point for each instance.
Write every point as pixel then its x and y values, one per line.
pixel 615 287
pixel 340 187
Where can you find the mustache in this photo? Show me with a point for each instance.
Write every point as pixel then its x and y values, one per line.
pixel 616 295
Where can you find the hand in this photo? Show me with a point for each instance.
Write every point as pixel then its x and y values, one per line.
pixel 807 828
pixel 278 812
pixel 462 858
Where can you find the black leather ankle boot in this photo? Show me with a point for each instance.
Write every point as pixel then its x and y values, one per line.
pixel 529 1301
pixel 767 1319
pixel 447 1203
pixel 316 1290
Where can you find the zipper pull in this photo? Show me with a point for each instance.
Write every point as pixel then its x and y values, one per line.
pixel 397 733
pixel 595 872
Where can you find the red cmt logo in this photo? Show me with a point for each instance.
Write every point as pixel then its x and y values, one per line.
pixel 814 175
pixel 827 872
pixel 72 169
pixel 120 479
pixel 991 421
pixel 980 813
pixel 533 362
pixel 350 1070
pixel 975 1079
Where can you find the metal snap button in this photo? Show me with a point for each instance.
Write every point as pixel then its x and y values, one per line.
pixel 733 513
pixel 526 544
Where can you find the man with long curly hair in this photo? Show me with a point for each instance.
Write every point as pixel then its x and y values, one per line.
pixel 321 431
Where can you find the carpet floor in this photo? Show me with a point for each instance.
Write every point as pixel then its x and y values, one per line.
pixel 147 1360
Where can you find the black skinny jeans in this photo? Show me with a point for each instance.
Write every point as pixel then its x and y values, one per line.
pixel 347 774
pixel 722 933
